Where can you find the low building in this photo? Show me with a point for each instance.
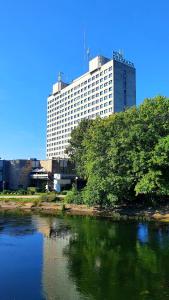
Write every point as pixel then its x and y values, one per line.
pixel 42 174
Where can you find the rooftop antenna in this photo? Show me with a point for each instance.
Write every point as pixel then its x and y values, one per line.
pixel 86 50
pixel 88 54
pixel 60 76
pixel 84 45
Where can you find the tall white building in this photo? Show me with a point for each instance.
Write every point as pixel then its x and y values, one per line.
pixel 109 86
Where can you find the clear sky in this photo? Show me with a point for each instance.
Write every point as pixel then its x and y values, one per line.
pixel 39 38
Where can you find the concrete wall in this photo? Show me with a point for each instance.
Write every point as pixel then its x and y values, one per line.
pixel 47 165
pixel 58 166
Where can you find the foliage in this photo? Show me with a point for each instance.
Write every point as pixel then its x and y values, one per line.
pixel 76 149
pixel 74 196
pixel 48 197
pixel 125 156
pixel 31 190
pixel 6 192
pixel 64 192
pixel 21 192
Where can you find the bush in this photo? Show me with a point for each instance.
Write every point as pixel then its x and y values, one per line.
pixel 21 192
pixel 31 190
pixel 64 192
pixel 73 196
pixel 6 192
pixel 48 197
pixel 37 202
pixel 63 207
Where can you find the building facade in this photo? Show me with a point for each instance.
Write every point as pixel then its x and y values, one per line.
pixel 23 173
pixel 108 87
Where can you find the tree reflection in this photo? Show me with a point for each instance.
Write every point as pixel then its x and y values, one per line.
pixel 118 261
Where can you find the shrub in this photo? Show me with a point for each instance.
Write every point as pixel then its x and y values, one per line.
pixel 64 192
pixel 74 196
pixel 31 190
pixel 48 197
pixel 6 192
pixel 21 192
pixel 37 202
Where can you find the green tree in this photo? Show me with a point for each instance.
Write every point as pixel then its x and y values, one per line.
pixel 126 155
pixel 76 149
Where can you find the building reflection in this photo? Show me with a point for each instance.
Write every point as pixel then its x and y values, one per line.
pixel 55 275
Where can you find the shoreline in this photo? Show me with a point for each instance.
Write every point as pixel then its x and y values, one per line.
pixel 160 214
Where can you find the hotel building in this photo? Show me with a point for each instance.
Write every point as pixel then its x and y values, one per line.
pixel 108 87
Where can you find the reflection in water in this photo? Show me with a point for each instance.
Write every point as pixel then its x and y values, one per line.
pixel 87 258
pixel 142 233
pixel 20 258
pixel 56 281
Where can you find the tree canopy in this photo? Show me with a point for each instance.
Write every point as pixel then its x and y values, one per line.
pixel 125 155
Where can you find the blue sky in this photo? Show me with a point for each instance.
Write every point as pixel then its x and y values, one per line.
pixel 39 38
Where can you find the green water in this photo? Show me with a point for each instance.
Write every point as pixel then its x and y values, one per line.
pixel 82 258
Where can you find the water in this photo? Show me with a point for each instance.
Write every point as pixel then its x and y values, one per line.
pixel 73 258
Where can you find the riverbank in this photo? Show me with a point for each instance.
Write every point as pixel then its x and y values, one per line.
pixel 160 214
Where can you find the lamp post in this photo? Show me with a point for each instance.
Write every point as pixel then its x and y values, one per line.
pixel 3 185
pixel 76 179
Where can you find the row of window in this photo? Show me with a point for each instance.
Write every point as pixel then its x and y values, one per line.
pixel 83 84
pixel 56 134
pixel 64 102
pixel 52 125
pixel 56 115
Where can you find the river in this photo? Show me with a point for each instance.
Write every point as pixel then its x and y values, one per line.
pixel 71 257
